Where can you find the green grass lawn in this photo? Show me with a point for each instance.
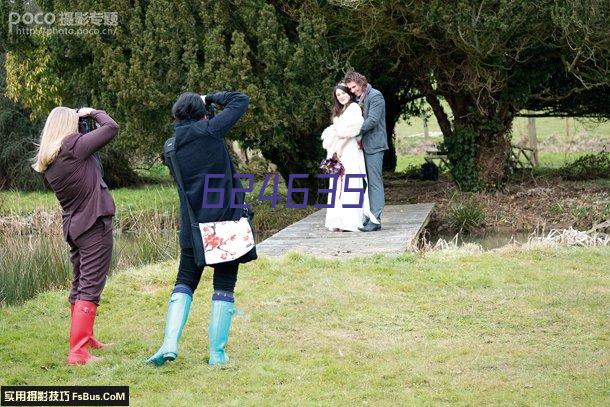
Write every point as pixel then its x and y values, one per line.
pixel 404 161
pixel 556 160
pixel 546 159
pixel 546 127
pixel 498 328
pixel 126 199
pixel 152 197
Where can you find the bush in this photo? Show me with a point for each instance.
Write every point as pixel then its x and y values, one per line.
pixel 413 171
pixel 18 135
pixel 117 170
pixel 589 166
pixel 257 166
pixel 465 216
pixel 461 150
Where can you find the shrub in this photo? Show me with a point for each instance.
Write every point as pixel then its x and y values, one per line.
pixel 413 171
pixel 589 166
pixel 465 215
pixel 18 134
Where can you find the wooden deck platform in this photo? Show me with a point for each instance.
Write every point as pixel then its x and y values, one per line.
pixel 401 225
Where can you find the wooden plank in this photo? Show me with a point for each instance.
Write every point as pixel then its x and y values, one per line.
pixel 531 130
pixel 401 226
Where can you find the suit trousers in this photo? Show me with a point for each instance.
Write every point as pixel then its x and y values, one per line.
pixel 90 254
pixel 374 173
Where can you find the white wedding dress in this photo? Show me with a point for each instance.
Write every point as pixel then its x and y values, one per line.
pixel 347 124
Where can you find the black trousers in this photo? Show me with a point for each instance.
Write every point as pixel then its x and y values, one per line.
pixel 189 274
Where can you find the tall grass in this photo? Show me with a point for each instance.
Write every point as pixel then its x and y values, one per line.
pixel 35 257
pixel 33 264
pixel 465 214
pixel 30 265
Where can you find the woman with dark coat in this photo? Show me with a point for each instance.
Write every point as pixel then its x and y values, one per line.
pixel 201 150
pixel 66 158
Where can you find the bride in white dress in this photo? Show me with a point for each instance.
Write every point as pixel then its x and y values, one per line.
pixel 346 122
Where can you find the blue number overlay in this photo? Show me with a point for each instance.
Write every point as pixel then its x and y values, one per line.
pixel 209 190
pixel 235 191
pixel 291 189
pixel 273 197
pixel 348 189
pixel 332 191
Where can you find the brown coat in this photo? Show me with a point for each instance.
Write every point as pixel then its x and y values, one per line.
pixel 76 178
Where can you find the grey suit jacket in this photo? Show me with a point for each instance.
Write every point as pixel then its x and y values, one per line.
pixel 373 132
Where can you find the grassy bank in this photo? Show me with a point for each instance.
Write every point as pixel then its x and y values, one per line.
pixel 513 327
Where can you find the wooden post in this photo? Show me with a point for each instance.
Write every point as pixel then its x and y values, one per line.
pixel 424 117
pixel 531 129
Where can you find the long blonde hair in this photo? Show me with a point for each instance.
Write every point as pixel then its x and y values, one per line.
pixel 61 122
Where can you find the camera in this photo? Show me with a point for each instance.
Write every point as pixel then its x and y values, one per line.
pixel 210 111
pixel 86 124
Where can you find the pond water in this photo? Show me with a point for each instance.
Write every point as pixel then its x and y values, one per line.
pixel 488 240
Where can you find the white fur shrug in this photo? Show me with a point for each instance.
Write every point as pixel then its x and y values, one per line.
pixel 346 125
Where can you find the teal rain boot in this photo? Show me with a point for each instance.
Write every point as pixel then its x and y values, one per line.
pixel 177 314
pixel 218 330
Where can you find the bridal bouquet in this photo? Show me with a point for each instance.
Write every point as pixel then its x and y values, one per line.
pixel 332 166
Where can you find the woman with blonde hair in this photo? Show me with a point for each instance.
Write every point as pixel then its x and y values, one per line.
pixel 66 159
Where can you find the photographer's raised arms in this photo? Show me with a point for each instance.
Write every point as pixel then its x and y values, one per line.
pixel 88 143
pixel 65 157
pixel 234 105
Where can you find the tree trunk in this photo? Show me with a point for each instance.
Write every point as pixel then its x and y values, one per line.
pixel 439 113
pixel 393 108
pixel 117 169
pixel 490 137
pixel 389 158
pixel 478 145
pixel 493 150
pixel 286 166
pixel 392 114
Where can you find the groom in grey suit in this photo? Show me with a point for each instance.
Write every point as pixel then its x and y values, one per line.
pixel 374 141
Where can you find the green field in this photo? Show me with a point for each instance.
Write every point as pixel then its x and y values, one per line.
pixel 546 159
pixel 546 127
pixel 160 198
pixel 556 146
pixel 504 328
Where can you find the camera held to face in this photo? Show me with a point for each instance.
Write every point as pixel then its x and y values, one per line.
pixel 86 124
pixel 210 111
